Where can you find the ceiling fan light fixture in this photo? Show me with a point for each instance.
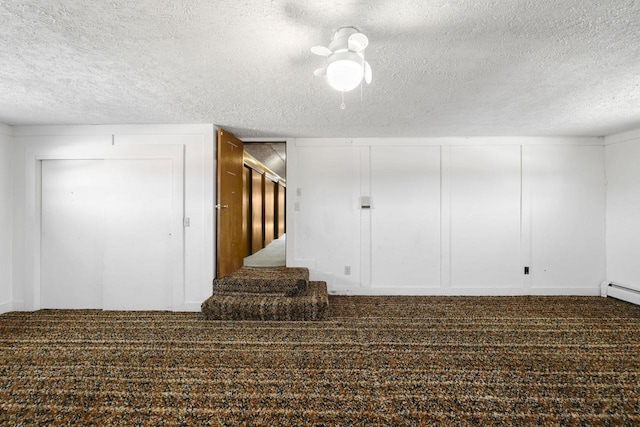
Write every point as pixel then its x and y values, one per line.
pixel 346 67
pixel 345 71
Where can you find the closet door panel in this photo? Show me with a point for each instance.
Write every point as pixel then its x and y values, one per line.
pixel 138 250
pixel 71 234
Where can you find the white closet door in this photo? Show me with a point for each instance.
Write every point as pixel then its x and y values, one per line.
pixel 112 233
pixel 139 239
pixel 72 234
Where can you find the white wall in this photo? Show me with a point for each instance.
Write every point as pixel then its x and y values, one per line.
pixel 623 208
pixel 32 143
pixel 5 219
pixel 449 216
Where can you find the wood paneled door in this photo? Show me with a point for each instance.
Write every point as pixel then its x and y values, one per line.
pixel 229 206
pixel 257 211
pixel 280 209
pixel 269 210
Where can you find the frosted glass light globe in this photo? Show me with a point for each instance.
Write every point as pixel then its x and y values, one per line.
pixel 345 72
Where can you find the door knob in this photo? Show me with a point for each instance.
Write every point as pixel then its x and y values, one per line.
pixel 219 206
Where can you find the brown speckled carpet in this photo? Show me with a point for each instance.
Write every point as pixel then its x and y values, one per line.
pixel 375 361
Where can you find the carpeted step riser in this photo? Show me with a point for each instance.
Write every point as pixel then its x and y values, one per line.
pixel 273 294
pixel 313 304
pixel 286 282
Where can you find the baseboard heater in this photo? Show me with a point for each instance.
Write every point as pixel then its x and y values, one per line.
pixel 622 292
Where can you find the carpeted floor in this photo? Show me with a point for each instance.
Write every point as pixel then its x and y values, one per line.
pixel 375 361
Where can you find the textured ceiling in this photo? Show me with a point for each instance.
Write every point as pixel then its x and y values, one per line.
pixel 440 68
pixel 271 154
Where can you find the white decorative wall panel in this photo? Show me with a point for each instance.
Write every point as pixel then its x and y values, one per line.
pixel 485 216
pixel 623 212
pixel 566 201
pixel 405 217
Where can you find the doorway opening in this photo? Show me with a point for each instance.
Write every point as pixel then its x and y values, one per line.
pixel 251 204
pixel 265 190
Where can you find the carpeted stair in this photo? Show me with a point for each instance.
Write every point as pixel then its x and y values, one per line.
pixel 267 294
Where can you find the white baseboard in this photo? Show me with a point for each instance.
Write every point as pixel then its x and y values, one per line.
pixel 190 307
pixel 467 291
pixel 6 307
pixel 19 306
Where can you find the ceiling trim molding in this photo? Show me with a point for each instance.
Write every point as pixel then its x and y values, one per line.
pixel 6 130
pixel 282 140
pixel 449 141
pixel 132 129
pixel 622 137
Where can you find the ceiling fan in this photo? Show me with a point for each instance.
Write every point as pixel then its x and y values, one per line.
pixel 346 66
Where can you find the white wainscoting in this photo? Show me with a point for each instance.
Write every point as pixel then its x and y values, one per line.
pixel 449 216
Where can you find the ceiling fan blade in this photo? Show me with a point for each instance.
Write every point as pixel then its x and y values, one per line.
pixel 358 42
pixel 320 72
pixel 368 74
pixel 321 50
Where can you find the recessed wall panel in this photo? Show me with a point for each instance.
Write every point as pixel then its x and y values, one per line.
pixel 405 217
pixel 623 212
pixel 485 216
pixel 567 200
pixel 326 212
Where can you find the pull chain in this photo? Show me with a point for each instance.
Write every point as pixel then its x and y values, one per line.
pixel 343 105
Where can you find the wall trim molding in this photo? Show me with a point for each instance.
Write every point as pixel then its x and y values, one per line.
pixel 479 291
pixel 6 307
pixel 622 137
pixel 190 306
pixel 449 141
pixel 94 130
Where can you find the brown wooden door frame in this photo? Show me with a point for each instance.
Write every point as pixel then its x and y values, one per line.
pixel 231 244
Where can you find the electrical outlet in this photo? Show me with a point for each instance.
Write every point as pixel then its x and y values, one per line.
pixel 526 270
pixel 347 270
pixel 296 206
